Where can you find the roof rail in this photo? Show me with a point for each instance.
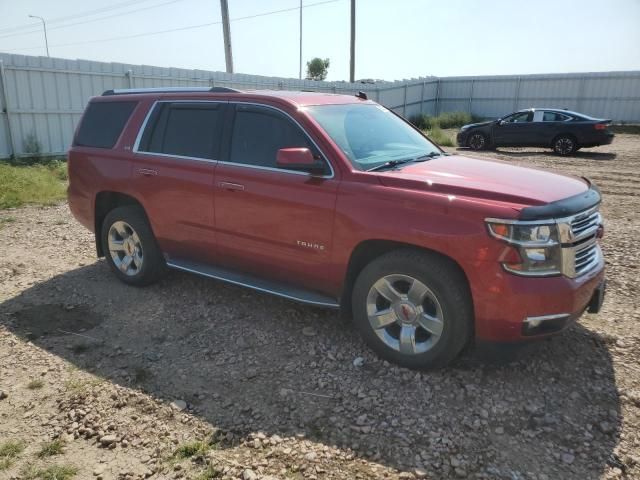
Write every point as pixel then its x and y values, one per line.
pixel 131 91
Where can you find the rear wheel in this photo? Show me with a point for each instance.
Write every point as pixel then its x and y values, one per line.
pixel 130 246
pixel 413 308
pixel 477 141
pixel 564 145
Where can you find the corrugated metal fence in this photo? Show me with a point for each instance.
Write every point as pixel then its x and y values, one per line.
pixel 41 99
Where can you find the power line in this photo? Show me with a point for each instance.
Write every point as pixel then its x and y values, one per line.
pixel 93 19
pixel 179 29
pixel 86 13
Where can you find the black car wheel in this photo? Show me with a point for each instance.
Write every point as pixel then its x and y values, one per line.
pixel 130 247
pixel 477 141
pixel 564 145
pixel 413 308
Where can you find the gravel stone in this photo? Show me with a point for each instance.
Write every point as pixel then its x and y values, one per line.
pixel 248 373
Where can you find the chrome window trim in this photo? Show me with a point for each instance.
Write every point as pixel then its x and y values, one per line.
pixel 182 157
pixel 136 144
pixel 143 127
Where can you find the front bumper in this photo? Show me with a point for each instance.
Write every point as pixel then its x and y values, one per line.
pixel 511 308
pixel 461 138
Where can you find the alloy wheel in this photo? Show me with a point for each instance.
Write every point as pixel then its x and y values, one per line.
pixel 477 141
pixel 125 248
pixel 564 145
pixel 405 314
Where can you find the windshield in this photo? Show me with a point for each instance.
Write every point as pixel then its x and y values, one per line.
pixel 370 135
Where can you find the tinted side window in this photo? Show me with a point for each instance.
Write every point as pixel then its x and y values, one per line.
pixel 518 118
pixel 102 123
pixel 185 129
pixel 555 117
pixel 258 134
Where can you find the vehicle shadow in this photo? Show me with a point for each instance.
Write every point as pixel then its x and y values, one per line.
pixel 248 362
pixel 584 154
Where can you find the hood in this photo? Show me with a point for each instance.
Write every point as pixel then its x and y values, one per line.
pixel 487 179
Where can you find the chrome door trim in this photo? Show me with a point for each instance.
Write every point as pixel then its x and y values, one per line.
pixel 136 145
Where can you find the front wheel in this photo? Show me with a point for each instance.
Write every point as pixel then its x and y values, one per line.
pixel 565 145
pixel 130 246
pixel 413 308
pixel 477 141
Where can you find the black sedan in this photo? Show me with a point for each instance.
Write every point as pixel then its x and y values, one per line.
pixel 562 130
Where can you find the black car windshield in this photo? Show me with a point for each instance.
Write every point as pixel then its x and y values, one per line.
pixel 370 135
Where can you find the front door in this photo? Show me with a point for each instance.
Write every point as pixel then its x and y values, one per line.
pixel 273 222
pixel 173 176
pixel 516 130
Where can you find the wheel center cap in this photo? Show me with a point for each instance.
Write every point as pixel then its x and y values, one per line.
pixel 406 312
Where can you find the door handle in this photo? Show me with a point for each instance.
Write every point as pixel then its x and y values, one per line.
pixel 147 172
pixel 231 186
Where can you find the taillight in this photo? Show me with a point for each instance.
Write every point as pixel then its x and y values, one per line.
pixel 600 126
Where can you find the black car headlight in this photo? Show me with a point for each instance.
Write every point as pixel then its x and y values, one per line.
pixel 537 244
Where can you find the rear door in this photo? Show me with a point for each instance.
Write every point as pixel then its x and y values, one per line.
pixel 273 222
pixel 175 160
pixel 517 130
pixel 552 123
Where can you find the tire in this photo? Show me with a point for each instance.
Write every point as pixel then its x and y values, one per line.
pixel 441 292
pixel 125 235
pixel 477 141
pixel 564 145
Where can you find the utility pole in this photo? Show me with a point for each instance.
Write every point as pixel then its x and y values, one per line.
pixel 352 66
pixel 300 70
pixel 44 25
pixel 226 29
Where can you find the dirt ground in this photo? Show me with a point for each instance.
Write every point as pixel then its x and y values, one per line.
pixel 193 378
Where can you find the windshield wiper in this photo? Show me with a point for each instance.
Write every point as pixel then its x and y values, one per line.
pixel 395 163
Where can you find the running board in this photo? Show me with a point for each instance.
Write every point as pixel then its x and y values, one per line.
pixel 256 283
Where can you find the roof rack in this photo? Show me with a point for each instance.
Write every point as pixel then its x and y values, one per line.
pixel 131 91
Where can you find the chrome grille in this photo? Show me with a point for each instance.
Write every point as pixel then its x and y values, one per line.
pixel 586 258
pixel 585 224
pixel 578 234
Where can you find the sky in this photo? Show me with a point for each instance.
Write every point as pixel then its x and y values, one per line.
pixel 395 39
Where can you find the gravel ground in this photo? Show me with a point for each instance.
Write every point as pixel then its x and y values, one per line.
pixel 193 378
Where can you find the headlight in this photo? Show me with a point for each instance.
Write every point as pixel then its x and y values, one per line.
pixel 464 127
pixel 537 244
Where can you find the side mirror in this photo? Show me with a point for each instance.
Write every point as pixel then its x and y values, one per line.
pixel 298 159
pixel 501 122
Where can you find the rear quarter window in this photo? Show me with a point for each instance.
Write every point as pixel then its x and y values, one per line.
pixel 103 123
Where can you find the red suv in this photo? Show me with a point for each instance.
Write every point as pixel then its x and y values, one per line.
pixel 336 201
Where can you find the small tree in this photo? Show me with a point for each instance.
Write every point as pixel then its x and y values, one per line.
pixel 317 69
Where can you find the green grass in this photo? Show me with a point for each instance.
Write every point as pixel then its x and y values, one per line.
pixel 8 452
pixel 444 120
pixel 54 472
pixel 52 448
pixel 35 384
pixel 191 449
pixel 36 184
pixel 441 137
pixel 209 474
